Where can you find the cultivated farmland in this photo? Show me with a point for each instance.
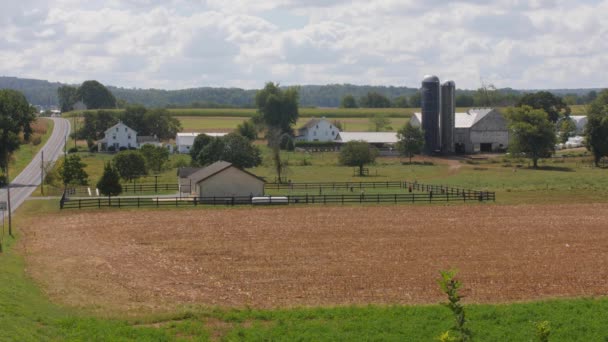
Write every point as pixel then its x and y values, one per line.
pixel 317 256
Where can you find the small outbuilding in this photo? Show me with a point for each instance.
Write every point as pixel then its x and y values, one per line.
pixel 220 179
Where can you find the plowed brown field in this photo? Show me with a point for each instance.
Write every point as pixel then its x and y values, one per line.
pixel 281 257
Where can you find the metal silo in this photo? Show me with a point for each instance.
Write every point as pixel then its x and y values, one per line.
pixel 448 114
pixel 431 106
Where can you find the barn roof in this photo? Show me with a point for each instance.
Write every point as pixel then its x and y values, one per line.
pixel 370 137
pixel 465 120
pixel 215 168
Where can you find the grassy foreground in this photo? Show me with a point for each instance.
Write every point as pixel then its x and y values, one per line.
pixel 27 315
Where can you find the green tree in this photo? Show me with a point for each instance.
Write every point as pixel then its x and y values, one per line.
pixel 130 165
pixel 233 148
pixel 109 183
pixel 134 116
pixel 156 157
pixel 95 124
pixel 161 124
pixel 596 131
pixel 400 102
pixel 415 100
pixel 72 171
pixel 464 100
pixel 348 101
pixel 552 105
pixel 450 286
pixel 67 96
pixel 411 140
pixel 199 143
pixel 374 100
pixel 279 111
pixel 279 108
pixel 379 122
pixel 96 96
pixel 357 153
pixel 248 130
pixel 531 133
pixel 566 128
pixel 16 117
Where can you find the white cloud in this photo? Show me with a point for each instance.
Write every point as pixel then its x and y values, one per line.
pixel 182 43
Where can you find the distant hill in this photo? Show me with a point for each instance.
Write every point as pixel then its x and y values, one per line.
pixel 44 93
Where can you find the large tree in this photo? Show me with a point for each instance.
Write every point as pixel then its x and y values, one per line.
pixel 247 129
pixel 96 96
pixel 16 117
pixel 411 140
pixel 374 100
pixel 156 157
pixel 67 96
pixel 532 133
pixel 357 153
pixel 596 131
pixel 279 111
pixel 130 165
pixel 348 101
pixel 554 106
pixel 233 148
pixel 109 183
pixel 72 171
pixel 278 107
pixel 199 143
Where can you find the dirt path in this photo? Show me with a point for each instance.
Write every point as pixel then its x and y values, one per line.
pixel 282 257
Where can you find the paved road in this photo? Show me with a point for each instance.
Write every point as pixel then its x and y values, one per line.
pixel 29 179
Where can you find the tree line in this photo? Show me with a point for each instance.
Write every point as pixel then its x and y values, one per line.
pixel 45 94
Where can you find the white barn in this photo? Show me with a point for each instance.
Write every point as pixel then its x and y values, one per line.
pixel 184 141
pixel 317 130
pixel 477 130
pixel 580 121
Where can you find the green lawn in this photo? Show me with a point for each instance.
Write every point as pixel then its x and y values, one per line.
pixel 26 152
pixel 26 314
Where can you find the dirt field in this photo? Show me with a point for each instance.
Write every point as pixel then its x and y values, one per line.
pixel 281 257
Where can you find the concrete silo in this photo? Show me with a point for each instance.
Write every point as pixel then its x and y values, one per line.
pixel 448 114
pixel 431 107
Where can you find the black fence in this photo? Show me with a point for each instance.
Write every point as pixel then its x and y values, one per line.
pixel 444 189
pixel 333 185
pixel 143 202
pixel 149 187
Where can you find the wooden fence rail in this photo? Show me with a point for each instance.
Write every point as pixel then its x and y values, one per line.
pixel 143 202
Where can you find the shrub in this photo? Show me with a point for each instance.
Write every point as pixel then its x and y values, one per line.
pixel 2 181
pixel 93 149
pixel 122 148
pixel 72 150
pixel 36 140
pixel 111 149
pixel 450 286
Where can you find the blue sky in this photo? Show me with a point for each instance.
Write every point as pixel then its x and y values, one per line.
pixel 176 44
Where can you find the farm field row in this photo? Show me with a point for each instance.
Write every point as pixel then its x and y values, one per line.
pixel 269 262
pixel 228 124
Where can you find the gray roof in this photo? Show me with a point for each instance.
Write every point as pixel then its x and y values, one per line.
pixel 463 120
pixel 310 123
pixel 213 169
pixel 431 78
pixel 369 137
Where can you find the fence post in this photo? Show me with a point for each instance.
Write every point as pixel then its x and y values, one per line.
pixel 377 198
pixel 395 198
pixel 176 201
pixel 118 202
pixel 157 201
pixel 99 203
pixel 138 202
pixel 307 198
pixel 79 206
pixel 412 194
pixel 342 198
pixel 324 199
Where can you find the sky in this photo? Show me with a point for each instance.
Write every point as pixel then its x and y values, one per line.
pixel 176 44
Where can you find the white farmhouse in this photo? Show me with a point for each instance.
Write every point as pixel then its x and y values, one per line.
pixel 318 130
pixel 184 141
pixel 119 135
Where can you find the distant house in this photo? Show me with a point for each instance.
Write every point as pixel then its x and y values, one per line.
pixel 477 130
pixel 119 136
pixel 184 141
pixel 220 179
pixel 317 130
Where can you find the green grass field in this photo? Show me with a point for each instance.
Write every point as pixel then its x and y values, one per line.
pixel 227 124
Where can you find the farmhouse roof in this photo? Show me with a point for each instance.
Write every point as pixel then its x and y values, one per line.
pixel 310 123
pixel 119 124
pixel 215 168
pixel 370 137
pixel 196 134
